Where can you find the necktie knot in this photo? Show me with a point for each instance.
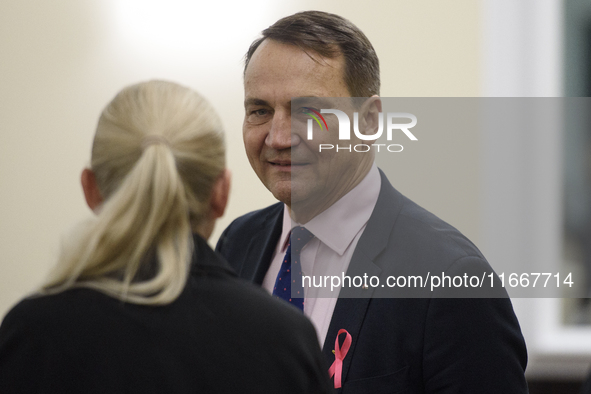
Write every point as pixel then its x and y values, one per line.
pixel 300 236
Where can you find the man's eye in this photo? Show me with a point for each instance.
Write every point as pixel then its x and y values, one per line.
pixel 304 113
pixel 260 112
pixel 308 110
pixel 258 116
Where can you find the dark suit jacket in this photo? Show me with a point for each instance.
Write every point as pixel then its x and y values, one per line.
pixel 586 388
pixel 222 335
pixel 404 345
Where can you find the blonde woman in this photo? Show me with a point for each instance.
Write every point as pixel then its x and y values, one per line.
pixel 138 302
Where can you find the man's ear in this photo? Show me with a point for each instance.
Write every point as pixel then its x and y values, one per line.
pixel 91 191
pixel 220 194
pixel 371 109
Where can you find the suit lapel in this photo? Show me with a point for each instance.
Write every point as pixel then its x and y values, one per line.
pixel 259 252
pixel 352 306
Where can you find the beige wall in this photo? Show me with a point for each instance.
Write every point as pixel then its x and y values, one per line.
pixel 63 60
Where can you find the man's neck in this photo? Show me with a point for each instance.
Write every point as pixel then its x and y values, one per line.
pixel 304 211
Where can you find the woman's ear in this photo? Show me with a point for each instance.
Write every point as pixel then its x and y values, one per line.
pixel 220 194
pixel 90 188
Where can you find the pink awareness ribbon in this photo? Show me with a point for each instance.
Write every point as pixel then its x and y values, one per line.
pixel 336 368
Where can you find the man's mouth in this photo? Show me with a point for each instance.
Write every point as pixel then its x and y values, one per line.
pixel 287 164
pixel 281 163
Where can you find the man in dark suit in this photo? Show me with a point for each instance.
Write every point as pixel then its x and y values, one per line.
pixel 360 224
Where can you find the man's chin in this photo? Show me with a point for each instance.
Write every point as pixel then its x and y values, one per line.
pixel 282 194
pixel 298 191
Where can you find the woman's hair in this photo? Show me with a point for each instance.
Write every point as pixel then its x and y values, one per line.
pixel 156 155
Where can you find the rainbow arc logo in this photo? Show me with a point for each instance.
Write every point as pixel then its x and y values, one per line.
pixel 315 115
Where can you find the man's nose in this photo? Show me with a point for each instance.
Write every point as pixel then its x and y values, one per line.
pixel 280 136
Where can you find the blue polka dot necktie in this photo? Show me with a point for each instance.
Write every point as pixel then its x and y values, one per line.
pixel 290 274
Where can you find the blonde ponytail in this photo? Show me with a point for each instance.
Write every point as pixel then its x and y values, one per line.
pixel 157 153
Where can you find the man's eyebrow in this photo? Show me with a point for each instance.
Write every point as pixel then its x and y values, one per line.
pixel 312 100
pixel 254 101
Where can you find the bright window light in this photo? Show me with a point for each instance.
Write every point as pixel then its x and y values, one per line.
pixel 189 25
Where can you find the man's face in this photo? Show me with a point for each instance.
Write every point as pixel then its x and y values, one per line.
pixel 275 74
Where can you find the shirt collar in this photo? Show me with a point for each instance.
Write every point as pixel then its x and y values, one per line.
pixel 338 225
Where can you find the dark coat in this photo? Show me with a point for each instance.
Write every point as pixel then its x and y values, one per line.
pixel 404 345
pixel 222 335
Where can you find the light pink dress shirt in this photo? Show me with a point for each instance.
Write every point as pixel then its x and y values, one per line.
pixel 337 231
